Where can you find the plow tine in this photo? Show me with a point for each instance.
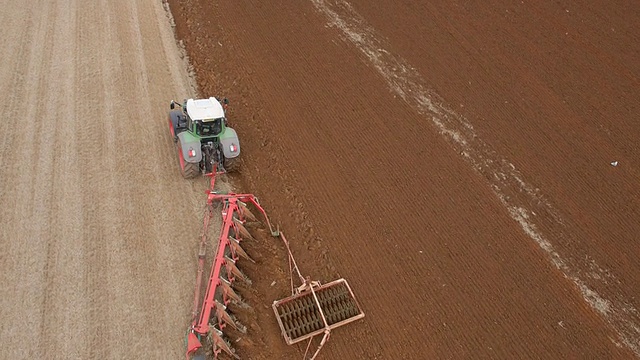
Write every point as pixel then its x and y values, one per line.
pixel 224 318
pixel 242 230
pixel 246 213
pixel 219 344
pixel 228 293
pixel 232 269
pixel 237 249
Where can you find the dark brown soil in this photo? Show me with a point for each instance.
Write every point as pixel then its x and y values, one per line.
pixel 429 231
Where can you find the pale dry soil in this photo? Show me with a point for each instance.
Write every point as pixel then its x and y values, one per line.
pixel 98 230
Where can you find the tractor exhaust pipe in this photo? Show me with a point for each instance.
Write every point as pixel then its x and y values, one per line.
pixel 173 104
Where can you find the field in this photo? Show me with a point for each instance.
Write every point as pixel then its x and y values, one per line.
pixel 452 161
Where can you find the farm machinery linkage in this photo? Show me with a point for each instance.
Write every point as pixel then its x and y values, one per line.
pixel 312 309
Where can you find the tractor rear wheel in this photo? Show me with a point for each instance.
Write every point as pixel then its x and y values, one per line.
pixel 191 170
pixel 231 165
pixel 188 170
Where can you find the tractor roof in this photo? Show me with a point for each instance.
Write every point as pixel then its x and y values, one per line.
pixel 204 109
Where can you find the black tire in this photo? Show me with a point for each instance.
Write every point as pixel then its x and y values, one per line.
pixel 232 165
pixel 174 117
pixel 191 170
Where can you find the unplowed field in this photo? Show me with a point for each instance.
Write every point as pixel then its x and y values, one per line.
pixel 452 161
pixel 98 231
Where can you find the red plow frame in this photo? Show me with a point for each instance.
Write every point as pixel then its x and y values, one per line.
pixel 312 309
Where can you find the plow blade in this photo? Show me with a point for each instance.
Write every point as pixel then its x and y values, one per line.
pixel 244 233
pixel 228 294
pixel 233 271
pixel 219 344
pixel 315 310
pixel 237 249
pixel 245 212
pixel 224 319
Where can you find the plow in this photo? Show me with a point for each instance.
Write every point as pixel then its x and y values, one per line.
pixel 311 310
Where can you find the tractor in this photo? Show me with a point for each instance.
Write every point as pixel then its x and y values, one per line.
pixel 204 140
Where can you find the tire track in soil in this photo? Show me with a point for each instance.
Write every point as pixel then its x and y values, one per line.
pixel 110 60
pixel 18 244
pixel 465 296
pixel 150 263
pixel 95 138
pixel 15 70
pixel 10 231
pixel 14 90
pixel 65 298
pixel 138 266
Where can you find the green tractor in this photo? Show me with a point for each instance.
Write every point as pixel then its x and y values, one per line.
pixel 205 143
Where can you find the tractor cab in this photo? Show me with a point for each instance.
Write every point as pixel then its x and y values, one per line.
pixel 204 140
pixel 205 117
pixel 209 128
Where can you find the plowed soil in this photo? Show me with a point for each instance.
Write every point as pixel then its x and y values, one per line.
pixel 451 161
